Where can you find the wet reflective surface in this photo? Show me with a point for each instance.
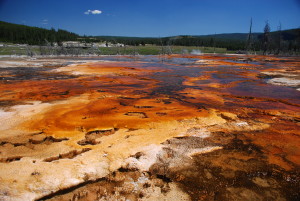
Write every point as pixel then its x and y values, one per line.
pixel 259 133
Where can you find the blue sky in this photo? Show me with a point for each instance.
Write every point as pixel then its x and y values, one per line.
pixel 152 18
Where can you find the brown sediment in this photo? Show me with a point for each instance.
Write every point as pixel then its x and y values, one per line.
pixel 92 137
pixel 212 129
pixel 10 159
pixel 69 155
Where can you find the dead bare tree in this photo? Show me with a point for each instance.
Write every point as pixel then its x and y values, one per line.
pixel 266 38
pixel 162 47
pixel 169 46
pixel 279 39
pixel 135 51
pixel 29 51
pixel 249 42
pixel 162 53
pixel 215 43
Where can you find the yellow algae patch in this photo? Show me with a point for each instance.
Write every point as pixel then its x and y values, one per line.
pixel 203 96
pixel 104 68
pixel 96 121
pixel 86 113
pixel 62 170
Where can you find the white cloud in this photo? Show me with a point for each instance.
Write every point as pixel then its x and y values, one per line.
pixel 87 12
pixel 94 12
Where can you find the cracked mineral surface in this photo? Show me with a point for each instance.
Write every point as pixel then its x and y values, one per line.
pixel 176 127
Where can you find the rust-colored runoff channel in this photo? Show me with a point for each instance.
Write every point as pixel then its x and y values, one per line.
pixel 250 105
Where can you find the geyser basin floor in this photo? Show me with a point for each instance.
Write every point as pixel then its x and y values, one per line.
pixel 198 127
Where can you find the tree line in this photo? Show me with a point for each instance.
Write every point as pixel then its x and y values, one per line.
pixel 185 40
pixel 15 33
pixel 276 42
pixel 267 42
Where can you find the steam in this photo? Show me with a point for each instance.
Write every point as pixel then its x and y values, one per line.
pixel 198 52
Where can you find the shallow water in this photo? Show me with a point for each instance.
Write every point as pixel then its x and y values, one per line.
pixel 255 122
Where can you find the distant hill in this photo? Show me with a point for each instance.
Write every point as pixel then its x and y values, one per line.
pixel 232 41
pixel 233 36
pixel 290 34
pixel 15 33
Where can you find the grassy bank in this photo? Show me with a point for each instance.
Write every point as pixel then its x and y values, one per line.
pixel 155 50
pixel 127 50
